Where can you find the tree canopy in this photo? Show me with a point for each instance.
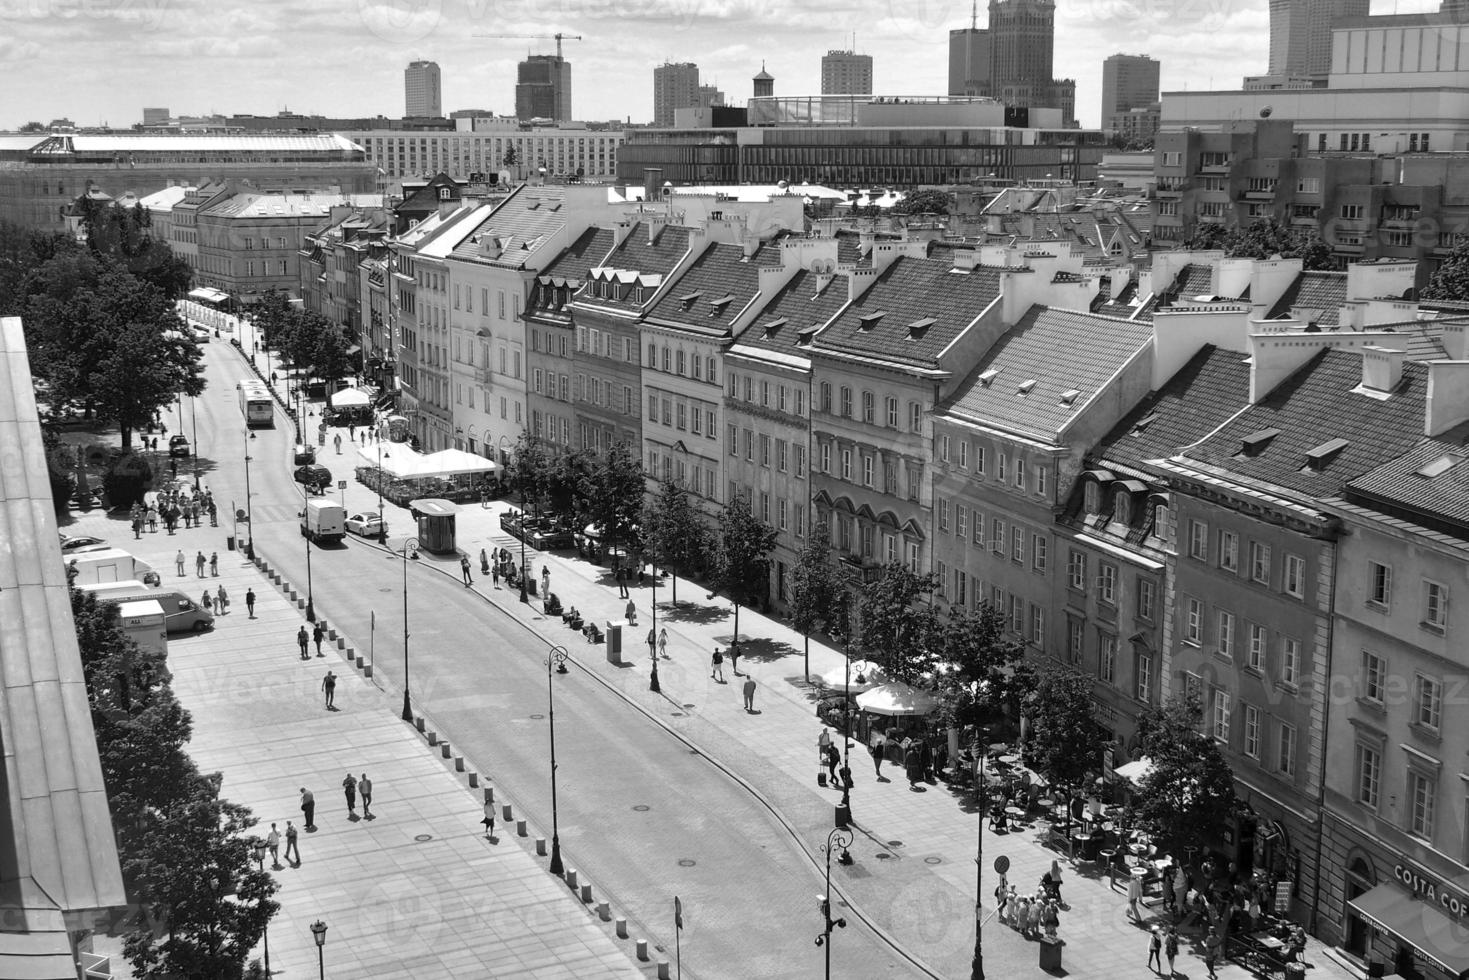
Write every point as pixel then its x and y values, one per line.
pixel 612 489
pixel 1189 793
pixel 818 590
pixel 673 535
pixel 897 623
pixel 742 545
pixel 1450 281
pixel 984 672
pixel 1262 239
pixel 1066 740
pixel 924 202
pixel 121 235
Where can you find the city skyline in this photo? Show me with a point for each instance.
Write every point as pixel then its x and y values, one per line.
pixel 229 61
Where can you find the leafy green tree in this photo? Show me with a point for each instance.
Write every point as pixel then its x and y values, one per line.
pixel 1206 237
pixel 1065 737
pixel 528 472
pixel 924 202
pixel 272 315
pixel 983 672
pixel 898 624
pixel 1189 794
pixel 566 475
pixel 742 545
pixel 818 591
pixel 1450 281
pixel 1262 239
pixel 122 236
pixel 32 127
pixel 673 534
pixel 613 488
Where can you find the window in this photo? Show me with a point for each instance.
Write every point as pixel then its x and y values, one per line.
pixel 1002 469
pixel 825 392
pixel 847 464
pixel 1225 635
pixel 1041 479
pixel 892 412
pixel 1374 677
pixel 915 417
pixel 1107 658
pixel 1229 551
pixel 1260 562
pixel 1147 598
pixel 1076 570
pixel 1290 660
pixel 846 395
pixel 1037 625
pixel 961 529
pixel 1428 708
pixel 1107 583
pixel 1422 790
pixel 1351 212
pixel 1017 544
pixel 1143 672
pixel 979 461
pixel 943 514
pixel 1221 715
pixel 734 434
pixel 1193 623
pixel 1435 605
pixel 1017 614
pixel 764 450
pixel 800 461
pixel 997 536
pixel 963 454
pixel 869 411
pixel 1038 549
pixel 961 586
pixel 1020 474
pixel 1075 633
pixel 1255 652
pixel 1251 746
pixel 780 455
pixel 826 457
pixel 1295 576
pixel 1379 584
pixel 1285 744
pixel 1198 540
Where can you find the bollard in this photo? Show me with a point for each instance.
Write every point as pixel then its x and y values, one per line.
pixel 473 779
pixel 586 894
pixel 604 911
pixel 459 763
pixel 367 670
pixel 489 794
pixel 445 751
pixel 418 722
pixel 643 950
pixel 540 847
pixel 505 813
pixel 433 737
pixel 663 970
pixel 621 929
pixel 571 878
pixel 520 830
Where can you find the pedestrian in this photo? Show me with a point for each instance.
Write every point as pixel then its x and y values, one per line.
pixel 178 561
pixel 1170 947
pixel 250 602
pixel 494 573
pixel 1033 921
pixel 1051 918
pixel 621 582
pixel 875 745
pixel 318 633
pixel 734 657
pixel 464 569
pixel 273 841
pixel 351 431
pixel 137 527
pixel 716 663
pixel 1166 878
pixel 1211 950
pixel 1002 896
pixel 632 613
pixel 1134 895
pixel 823 742
pixel 301 640
pixel 832 758
pixel 207 601
pixel 364 787
pixel 213 513
pixel 214 564
pixel 349 789
pixel 329 685
pixel 308 808
pixel 663 643
pixel 750 695
pixel 153 519
pixel 337 441
pixel 489 820
pixel 1056 880
pixel 652 643
pixel 1155 950
pixel 199 564
pixel 291 847
pixel 484 562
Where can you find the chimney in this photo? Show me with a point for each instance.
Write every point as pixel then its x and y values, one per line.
pixel 652 184
pixel 1456 340
pixel 1447 402
pixel 1382 368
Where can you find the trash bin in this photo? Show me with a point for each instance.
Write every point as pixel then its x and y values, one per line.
pixel 1050 954
pixel 229 542
pixel 614 640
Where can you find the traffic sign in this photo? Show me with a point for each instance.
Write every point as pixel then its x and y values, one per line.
pixel 1002 864
pixel 341 484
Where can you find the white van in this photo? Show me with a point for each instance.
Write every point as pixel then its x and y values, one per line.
pixel 110 565
pixel 181 613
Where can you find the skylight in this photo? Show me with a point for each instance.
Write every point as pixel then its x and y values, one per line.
pixel 1025 386
pixel 1069 396
pixel 1322 454
pixel 1144 422
pixel 988 375
pixel 1437 467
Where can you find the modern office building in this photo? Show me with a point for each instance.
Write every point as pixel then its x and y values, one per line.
pixel 543 88
pixel 1129 81
pixel 846 73
pixel 969 59
pixel 570 150
pixel 422 93
pixel 1300 35
pixel 710 95
pixel 675 86
pixel 155 116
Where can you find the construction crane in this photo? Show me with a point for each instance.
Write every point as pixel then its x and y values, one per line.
pixel 537 37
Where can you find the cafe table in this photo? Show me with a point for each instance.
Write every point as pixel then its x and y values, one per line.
pixel 1009 760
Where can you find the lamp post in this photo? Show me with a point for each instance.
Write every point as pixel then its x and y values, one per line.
pixel 318 932
pixel 194 444
pixel 382 520
pixel 844 811
pixel 264 929
pixel 837 837
pixel 524 569
pixel 410 545
pixel 249 514
pixel 976 967
pixel 557 659
pixel 306 537
pixel 653 649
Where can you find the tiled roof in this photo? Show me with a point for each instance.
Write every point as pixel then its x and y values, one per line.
pixel 524 221
pixel 1431 480
pixel 1123 305
pixel 924 304
pixel 583 254
pixel 635 254
pixel 1046 368
pixel 1314 406
pixel 1205 392
pixel 712 291
pixel 801 307
pixel 1323 291
pixel 248 205
pixel 1194 279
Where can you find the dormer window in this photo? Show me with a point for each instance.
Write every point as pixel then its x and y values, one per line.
pixel 1025 387
pixel 773 327
pixel 867 321
pixel 1069 396
pixel 1121 508
pixel 1092 497
pixel 988 375
pixel 918 328
pixel 717 306
pixel 1256 442
pixel 689 299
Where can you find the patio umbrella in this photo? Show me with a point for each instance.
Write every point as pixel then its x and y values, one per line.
pixel 455 462
pixel 895 699
pixel 869 672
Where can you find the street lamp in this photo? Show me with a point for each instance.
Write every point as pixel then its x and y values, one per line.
pixel 264 929
pixel 318 932
pixel 411 545
pixel 652 649
pixel 194 445
pixel 976 967
pixel 838 837
pixel 844 811
pixel 382 521
pixel 557 658
pixel 306 537
pixel 249 514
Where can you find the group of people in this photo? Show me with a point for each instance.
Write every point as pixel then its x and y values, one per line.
pixel 1036 914
pixel 175 506
pixel 922 758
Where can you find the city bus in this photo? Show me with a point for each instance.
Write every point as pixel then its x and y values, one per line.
pixel 255 404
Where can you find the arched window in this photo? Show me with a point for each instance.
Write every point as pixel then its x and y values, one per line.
pixel 1122 507
pixel 1092 497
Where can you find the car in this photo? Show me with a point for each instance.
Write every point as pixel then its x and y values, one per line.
pixel 304 454
pixel 82 542
pixel 314 477
pixel 368 524
pixel 178 446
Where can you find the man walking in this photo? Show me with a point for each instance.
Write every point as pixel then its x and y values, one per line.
pixel 749 695
pixel 222 600
pixel 250 602
pixel 364 787
pixel 178 561
pixel 308 808
pixel 273 841
pixel 621 582
pixel 214 564
pixel 546 582
pixel 329 685
pixel 464 567
pixel 734 657
pixel 632 613
pixel 349 788
pixel 716 666
pixel 301 640
pixel 291 848
pixel 1211 951
pixel 199 564
pixel 1170 947
pixel 318 633
pixel 663 643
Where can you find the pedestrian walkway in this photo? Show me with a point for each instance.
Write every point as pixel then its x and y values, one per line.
pixel 414 891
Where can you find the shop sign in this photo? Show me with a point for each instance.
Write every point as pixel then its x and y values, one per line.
pixel 1435 892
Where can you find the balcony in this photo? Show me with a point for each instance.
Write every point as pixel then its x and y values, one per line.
pixel 1305 220
pixel 1169 192
pixel 484 376
pixel 860 571
pixel 1259 194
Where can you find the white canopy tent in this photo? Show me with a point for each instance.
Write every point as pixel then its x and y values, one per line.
pixel 897 698
pixel 1135 771
pixel 349 398
pixel 397 460
pixel 455 462
pixel 864 674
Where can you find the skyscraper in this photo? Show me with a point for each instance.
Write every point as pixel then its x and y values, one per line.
pixel 846 73
pixel 969 60
pixel 421 90
pixel 710 95
pixel 1300 34
pixel 1129 81
pixel 675 86
pixel 543 88
pixel 1011 60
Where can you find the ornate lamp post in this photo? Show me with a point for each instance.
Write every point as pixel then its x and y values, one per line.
pixel 310 605
pixel 318 932
pixel 557 659
pixel 194 444
pixel 410 550
pixel 382 527
pixel 976 966
pixel 249 514
pixel 265 930
pixel 838 837
pixel 653 649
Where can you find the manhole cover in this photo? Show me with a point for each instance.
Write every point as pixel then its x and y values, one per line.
pixel 642 808
pixel 421 838
pixel 933 860
pixel 895 843
pixel 686 862
pixel 385 590
pixel 883 857
pixel 689 706
pixel 677 714
pixel 538 717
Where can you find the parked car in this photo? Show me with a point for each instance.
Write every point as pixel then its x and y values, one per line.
pixel 304 454
pixel 178 446
pixel 82 542
pixel 368 524
pixel 314 477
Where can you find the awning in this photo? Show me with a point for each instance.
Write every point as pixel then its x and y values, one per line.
pixel 349 398
pixel 897 698
pixel 1136 770
pixel 208 295
pixel 1417 922
pixel 455 462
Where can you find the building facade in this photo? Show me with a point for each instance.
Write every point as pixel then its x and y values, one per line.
pixel 675 86
pixel 573 151
pixel 543 88
pixel 1300 34
pixel 1129 81
pixel 846 73
pixel 422 89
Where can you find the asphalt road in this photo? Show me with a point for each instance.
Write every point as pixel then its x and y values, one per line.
pixel 640 815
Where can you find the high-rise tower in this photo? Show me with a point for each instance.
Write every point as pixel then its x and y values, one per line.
pixel 675 86
pixel 846 73
pixel 1300 34
pixel 969 57
pixel 543 88
pixel 422 95
pixel 1129 81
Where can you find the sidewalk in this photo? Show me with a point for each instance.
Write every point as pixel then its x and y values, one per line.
pixel 416 890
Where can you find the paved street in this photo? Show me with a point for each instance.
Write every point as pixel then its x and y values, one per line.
pixel 477 674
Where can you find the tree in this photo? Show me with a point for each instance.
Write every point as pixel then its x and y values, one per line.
pixel 612 489
pixel 528 472
pixel 984 673
pixel 271 316
pixel 511 158
pixel 566 473
pixel 1450 281
pixel 1065 738
pixel 924 202
pixel 818 591
pixel 1263 239
pixel 33 127
pixel 1189 793
pixel 898 623
pixel 1205 238
pixel 742 545
pixel 121 236
pixel 673 534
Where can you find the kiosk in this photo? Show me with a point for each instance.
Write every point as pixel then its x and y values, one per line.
pixel 435 519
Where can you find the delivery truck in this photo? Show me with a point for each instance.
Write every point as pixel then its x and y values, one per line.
pixel 324 522
pixel 181 614
pixel 143 621
pixel 110 565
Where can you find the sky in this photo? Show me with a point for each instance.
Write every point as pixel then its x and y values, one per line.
pixel 101 61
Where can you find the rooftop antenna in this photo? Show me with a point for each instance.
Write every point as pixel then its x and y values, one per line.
pixel 974 15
